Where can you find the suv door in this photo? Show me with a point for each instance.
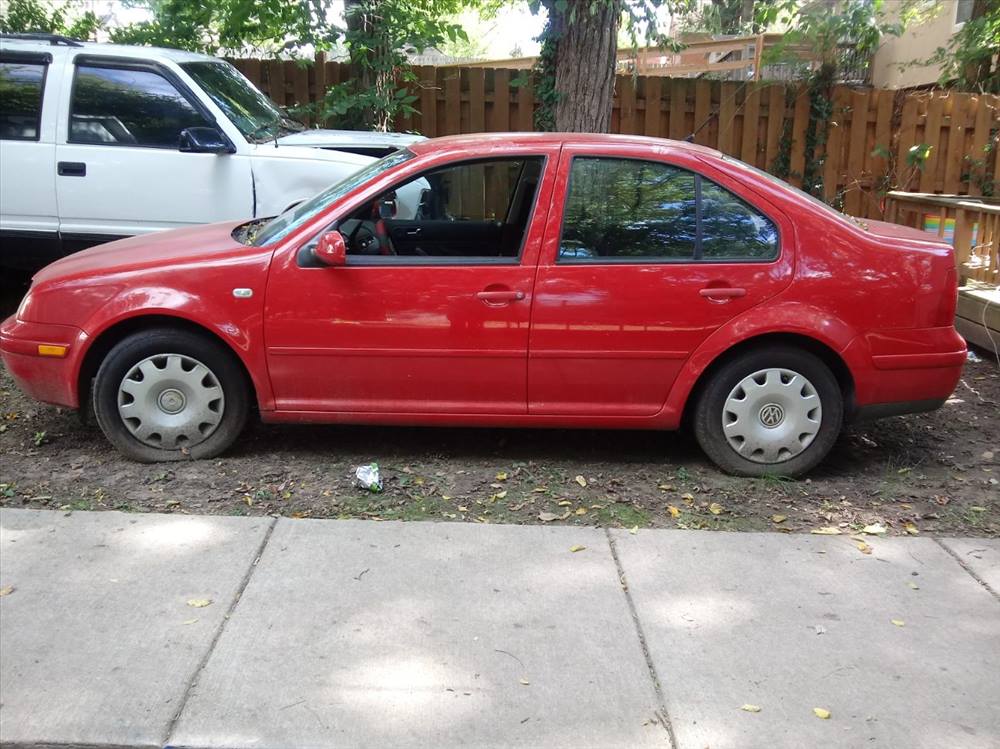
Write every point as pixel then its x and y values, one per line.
pixel 119 171
pixel 410 326
pixel 649 255
pixel 29 223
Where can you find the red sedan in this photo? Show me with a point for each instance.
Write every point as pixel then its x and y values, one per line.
pixel 544 280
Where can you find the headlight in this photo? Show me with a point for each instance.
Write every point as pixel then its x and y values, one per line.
pixel 23 306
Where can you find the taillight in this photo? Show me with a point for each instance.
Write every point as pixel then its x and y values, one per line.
pixel 949 296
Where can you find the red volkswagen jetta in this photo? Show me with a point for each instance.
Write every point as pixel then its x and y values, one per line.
pixel 543 280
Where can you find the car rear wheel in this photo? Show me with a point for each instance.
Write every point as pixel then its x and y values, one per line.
pixel 164 395
pixel 773 411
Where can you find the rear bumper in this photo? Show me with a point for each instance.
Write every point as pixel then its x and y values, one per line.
pixel 49 379
pixel 904 371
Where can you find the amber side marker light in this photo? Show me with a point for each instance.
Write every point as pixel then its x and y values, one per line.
pixel 49 350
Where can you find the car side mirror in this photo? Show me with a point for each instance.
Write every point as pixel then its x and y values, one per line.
pixel 205 140
pixel 331 249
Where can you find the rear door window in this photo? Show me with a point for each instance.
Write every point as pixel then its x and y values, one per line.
pixel 128 107
pixel 21 88
pixel 635 211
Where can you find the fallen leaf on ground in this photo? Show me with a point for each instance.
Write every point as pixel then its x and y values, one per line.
pixel 581 511
pixel 863 547
pixel 779 518
pixel 819 712
pixel 581 480
pixel 826 530
pixel 565 503
pixel 689 498
pixel 911 529
pixel 634 529
pixel 875 529
pixel 6 591
pixel 189 621
pixel 502 476
pixel 525 682
pixel 715 508
pixel 912 585
pixel 199 603
pixel 674 512
pixel 577 548
pixel 898 622
pixel 548 517
pixel 751 708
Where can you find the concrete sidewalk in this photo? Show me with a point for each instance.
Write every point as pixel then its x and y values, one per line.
pixel 351 633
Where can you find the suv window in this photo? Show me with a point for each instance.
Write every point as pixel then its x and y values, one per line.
pixel 629 210
pixel 21 85
pixel 473 210
pixel 128 106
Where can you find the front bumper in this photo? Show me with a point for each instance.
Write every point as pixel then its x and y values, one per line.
pixel 51 379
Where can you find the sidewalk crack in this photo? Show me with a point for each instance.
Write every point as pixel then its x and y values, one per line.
pixel 657 687
pixel 218 633
pixel 961 563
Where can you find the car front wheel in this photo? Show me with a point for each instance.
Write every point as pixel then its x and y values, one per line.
pixel 773 411
pixel 164 395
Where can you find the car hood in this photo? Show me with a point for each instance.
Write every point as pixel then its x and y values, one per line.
pixel 349 139
pixel 194 244
pixel 268 150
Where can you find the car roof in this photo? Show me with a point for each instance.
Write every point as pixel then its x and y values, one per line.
pixel 159 54
pixel 480 140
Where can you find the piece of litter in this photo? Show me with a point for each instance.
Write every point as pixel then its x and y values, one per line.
pixel 898 622
pixel 368 477
pixel 199 603
pixel 577 548
pixel 820 712
pixel 751 708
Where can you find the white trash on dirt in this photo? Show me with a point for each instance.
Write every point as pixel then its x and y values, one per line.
pixel 368 477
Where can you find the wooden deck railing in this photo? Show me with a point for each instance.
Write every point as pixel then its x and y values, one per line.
pixel 970 224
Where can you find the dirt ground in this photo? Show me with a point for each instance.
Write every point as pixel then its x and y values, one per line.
pixel 933 474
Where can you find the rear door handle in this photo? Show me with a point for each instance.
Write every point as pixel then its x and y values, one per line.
pixel 500 296
pixel 723 292
pixel 71 169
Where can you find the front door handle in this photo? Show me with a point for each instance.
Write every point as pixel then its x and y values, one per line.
pixel 71 169
pixel 721 293
pixel 499 296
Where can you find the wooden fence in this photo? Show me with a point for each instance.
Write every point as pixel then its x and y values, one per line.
pixel 870 135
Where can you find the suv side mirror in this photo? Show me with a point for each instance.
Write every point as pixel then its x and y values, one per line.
pixel 204 140
pixel 331 249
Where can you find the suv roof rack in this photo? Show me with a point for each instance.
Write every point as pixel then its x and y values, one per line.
pixel 53 39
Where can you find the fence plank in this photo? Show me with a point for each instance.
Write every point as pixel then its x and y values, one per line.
pixel 626 103
pixel 856 152
pixel 980 137
pixel 526 106
pixel 452 98
pixel 932 137
pixel 676 126
pixel 907 139
pixel 751 119
pixel 477 100
pixel 800 121
pixel 727 117
pixel 651 117
pixel 702 111
pixel 775 123
pixel 501 100
pixel 954 154
pixel 836 131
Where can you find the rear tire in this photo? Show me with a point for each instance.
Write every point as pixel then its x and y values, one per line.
pixel 776 410
pixel 167 395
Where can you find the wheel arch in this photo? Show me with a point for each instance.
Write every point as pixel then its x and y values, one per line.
pixel 108 338
pixel 824 352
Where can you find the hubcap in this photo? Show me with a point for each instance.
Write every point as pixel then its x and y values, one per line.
pixel 170 401
pixel 772 415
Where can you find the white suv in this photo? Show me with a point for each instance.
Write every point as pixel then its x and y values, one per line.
pixel 99 142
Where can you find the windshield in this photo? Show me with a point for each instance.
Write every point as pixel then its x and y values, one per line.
pixel 252 112
pixel 282 225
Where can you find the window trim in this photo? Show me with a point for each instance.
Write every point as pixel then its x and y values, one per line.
pixel 139 65
pixel 31 58
pixel 696 258
pixel 409 261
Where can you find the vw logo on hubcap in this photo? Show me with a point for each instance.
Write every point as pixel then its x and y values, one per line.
pixel 771 415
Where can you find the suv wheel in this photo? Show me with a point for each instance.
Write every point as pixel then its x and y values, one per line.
pixel 774 411
pixel 166 394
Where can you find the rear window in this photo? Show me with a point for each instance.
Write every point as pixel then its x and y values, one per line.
pixel 21 85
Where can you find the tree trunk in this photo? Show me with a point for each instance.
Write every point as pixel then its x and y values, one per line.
pixel 586 59
pixel 977 73
pixel 369 68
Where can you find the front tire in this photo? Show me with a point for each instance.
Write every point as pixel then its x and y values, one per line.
pixel 165 395
pixel 777 410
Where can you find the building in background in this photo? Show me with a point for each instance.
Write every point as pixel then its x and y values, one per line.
pixel 897 63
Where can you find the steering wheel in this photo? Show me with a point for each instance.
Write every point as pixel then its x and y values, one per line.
pixel 365 239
